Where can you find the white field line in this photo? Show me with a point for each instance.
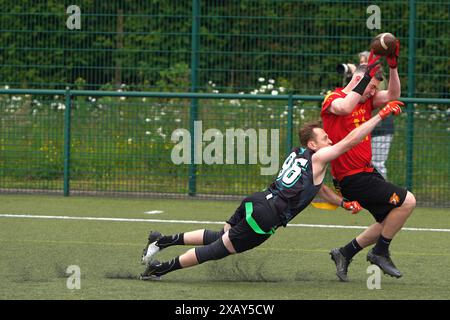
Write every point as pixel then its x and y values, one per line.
pixel 30 216
pixel 154 212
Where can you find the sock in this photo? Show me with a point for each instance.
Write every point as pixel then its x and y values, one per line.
pixel 351 249
pixel 167 241
pixel 382 246
pixel 167 267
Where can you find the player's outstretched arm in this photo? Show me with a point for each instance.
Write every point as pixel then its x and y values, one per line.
pixel 327 154
pixel 344 106
pixel 394 89
pixel 331 197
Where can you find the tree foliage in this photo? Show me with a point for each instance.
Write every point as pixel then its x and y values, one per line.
pixel 138 43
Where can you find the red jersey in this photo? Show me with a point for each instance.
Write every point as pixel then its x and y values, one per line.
pixel 358 158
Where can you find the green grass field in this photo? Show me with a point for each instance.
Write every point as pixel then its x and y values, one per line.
pixel 293 264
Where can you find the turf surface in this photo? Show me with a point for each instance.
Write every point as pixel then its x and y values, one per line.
pixel 293 264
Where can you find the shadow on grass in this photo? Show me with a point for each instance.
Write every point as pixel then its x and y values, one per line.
pixel 121 274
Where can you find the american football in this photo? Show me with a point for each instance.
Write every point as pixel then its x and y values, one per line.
pixel 384 44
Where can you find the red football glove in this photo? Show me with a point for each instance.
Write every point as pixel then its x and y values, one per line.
pixel 352 206
pixel 392 107
pixel 392 60
pixel 373 64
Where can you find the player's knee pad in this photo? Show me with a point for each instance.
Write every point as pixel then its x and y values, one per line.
pixel 211 236
pixel 213 251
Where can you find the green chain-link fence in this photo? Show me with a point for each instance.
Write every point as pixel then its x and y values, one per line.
pixel 127 143
pixel 148 44
pixel 253 47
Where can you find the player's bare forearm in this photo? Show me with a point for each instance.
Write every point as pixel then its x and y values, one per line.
pixel 329 195
pixel 327 154
pixel 357 134
pixel 345 105
pixel 394 88
pixel 392 93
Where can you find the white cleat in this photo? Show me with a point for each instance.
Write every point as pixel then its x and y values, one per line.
pixel 151 249
pixel 149 252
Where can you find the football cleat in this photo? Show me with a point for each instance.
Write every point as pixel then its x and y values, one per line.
pixel 385 263
pixel 151 248
pixel 341 264
pixel 150 270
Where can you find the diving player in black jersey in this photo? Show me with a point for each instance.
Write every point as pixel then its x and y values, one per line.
pixel 259 215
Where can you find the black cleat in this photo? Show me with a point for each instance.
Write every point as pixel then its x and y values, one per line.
pixel 150 270
pixel 151 248
pixel 385 263
pixel 341 264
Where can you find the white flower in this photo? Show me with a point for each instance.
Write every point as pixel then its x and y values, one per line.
pixel 147 120
pixel 177 120
pixel 144 99
pixel 270 86
pixel 271 81
pixel 6 87
pixel 147 132
pixel 130 140
pixel 261 79
pixel 123 98
pixel 159 131
pixel 235 102
pixel 281 89
pixel 274 92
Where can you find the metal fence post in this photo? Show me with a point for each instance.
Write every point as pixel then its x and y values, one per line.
pixel 290 123
pixel 194 85
pixel 411 93
pixel 67 121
